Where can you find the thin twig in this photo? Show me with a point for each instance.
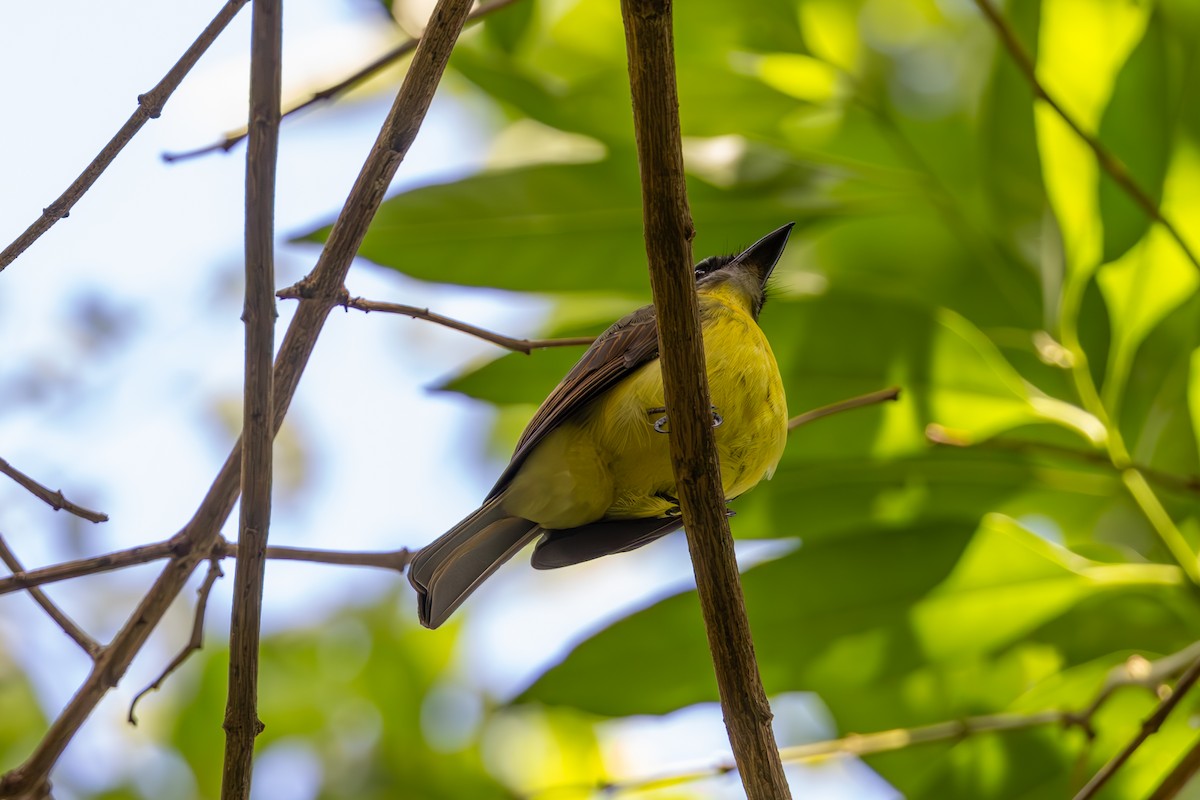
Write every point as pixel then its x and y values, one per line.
pixel 525 346
pixel 54 499
pixel 1109 162
pixel 242 724
pixel 936 434
pixel 197 537
pixel 195 641
pixel 853 745
pixel 882 396
pixel 68 625
pixel 1136 671
pixel 395 560
pixel 1149 727
pixel 150 105
pixel 398 52
pixel 650 45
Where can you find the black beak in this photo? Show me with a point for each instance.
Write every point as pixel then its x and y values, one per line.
pixel 763 255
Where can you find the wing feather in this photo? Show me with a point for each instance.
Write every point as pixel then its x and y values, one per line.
pixel 630 342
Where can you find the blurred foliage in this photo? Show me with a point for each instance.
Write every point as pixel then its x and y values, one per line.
pixel 954 238
pixel 349 710
pixel 21 720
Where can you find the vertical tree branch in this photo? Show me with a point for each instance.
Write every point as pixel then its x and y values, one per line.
pixel 195 540
pixel 669 230
pixel 150 105
pixel 242 724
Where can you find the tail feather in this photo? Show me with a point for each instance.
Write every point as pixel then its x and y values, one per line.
pixel 445 572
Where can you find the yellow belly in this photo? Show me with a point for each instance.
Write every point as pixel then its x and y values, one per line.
pixel 608 462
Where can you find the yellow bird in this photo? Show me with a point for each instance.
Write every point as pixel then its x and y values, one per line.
pixel 591 473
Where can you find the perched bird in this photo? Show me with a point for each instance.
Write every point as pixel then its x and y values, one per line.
pixel 591 473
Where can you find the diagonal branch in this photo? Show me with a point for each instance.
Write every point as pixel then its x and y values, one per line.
pixel 68 625
pixel 1150 726
pixel 650 45
pixel 197 537
pixel 150 105
pixel 1108 161
pixel 242 724
pixel 526 346
pixel 870 399
pixel 54 499
pixel 398 52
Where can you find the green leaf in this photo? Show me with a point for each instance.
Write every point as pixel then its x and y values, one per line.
pixel 563 227
pixel 1193 394
pixel 507 27
pixel 1012 170
pixel 1137 128
pixel 847 613
pixel 1082 46
pixel 1152 279
pixel 354 698
pixel 1155 417
pixel 21 719
pixel 839 345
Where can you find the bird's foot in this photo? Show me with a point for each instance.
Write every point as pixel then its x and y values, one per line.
pixel 676 511
pixel 660 424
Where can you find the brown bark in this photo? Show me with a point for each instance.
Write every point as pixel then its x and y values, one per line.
pixel 669 232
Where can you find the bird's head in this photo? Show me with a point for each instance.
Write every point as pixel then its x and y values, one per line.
pixel 745 272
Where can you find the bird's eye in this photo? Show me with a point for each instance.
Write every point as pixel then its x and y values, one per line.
pixel 700 272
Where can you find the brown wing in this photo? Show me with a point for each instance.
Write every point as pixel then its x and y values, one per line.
pixel 630 342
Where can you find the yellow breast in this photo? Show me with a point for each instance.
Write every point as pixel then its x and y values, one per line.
pixel 611 463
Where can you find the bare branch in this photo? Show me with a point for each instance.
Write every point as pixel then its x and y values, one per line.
pixel 197 537
pixel 95 565
pixel 1138 671
pixel 54 499
pixel 195 641
pixel 882 396
pixel 150 105
pixel 1109 162
pixel 936 434
pixel 669 230
pixel 242 724
pixel 396 560
pixel 526 346
pixel 231 140
pixel 68 625
pixel 1150 726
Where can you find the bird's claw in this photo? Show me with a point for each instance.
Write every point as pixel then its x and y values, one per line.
pixel 660 424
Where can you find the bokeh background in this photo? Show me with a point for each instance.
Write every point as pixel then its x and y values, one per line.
pixel 952 238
